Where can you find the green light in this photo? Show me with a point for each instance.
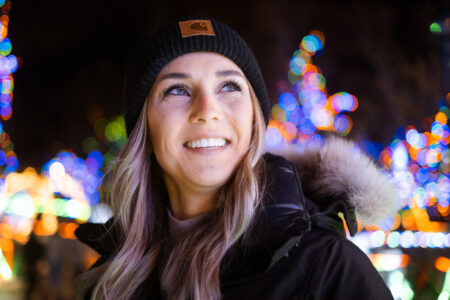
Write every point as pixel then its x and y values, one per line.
pixel 400 286
pixel 114 131
pixel 121 120
pixel 59 206
pixel 435 28
pixel 5 270
pixel 445 294
pixel 40 208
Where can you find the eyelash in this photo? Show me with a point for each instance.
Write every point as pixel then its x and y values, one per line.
pixel 167 91
pixel 237 86
pixel 173 87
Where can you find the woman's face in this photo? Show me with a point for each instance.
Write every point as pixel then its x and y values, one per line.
pixel 200 116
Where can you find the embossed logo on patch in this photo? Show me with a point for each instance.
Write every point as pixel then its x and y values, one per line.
pixel 196 27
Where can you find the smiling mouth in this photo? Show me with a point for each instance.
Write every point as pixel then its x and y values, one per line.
pixel 206 143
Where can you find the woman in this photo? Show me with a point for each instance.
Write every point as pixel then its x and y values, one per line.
pixel 200 212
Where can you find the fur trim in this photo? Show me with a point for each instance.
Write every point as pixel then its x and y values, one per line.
pixel 340 170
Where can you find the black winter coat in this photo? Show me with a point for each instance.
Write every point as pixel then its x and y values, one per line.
pixel 299 249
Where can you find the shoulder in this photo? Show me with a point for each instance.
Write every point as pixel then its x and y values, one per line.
pixel 275 164
pixel 103 238
pixel 339 269
pixel 283 182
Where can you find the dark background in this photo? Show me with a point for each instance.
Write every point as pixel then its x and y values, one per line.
pixel 73 54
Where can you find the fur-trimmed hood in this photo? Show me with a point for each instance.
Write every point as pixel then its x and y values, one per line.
pixel 338 170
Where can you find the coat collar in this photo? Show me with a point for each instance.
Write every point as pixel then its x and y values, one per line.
pixel 279 225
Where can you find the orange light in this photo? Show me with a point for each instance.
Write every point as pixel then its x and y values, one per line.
pixel 373 228
pixel 431 201
pixel 6 230
pixel 310 68
pixel 385 158
pixel 429 138
pixel 288 130
pixel 444 211
pixel 408 221
pixel 66 230
pixel 21 238
pixel 7 247
pixel 3 31
pixel 441 118
pixel 319 34
pixel 413 151
pixel 360 226
pixel 442 264
pixel 49 224
pixel 37 228
pixel 90 258
pixel 397 221
pixel 4 18
pixel 423 223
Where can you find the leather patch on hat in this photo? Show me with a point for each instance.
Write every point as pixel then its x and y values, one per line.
pixel 196 27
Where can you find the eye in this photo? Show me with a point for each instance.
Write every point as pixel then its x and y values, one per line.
pixel 231 86
pixel 176 90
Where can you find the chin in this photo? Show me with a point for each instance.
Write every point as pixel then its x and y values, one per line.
pixel 208 179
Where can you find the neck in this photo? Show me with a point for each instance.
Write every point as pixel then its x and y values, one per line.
pixel 187 202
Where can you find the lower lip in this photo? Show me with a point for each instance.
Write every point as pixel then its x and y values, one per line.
pixel 210 150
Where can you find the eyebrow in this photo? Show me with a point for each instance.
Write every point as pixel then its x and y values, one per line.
pixel 228 73
pixel 223 73
pixel 175 76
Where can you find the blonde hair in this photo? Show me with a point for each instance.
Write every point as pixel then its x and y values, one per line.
pixel 135 195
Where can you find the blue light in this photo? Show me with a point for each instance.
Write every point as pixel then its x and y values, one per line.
pixel 287 101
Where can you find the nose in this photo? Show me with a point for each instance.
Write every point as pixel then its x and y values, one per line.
pixel 205 109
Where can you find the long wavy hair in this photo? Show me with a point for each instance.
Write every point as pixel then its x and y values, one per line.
pixel 134 188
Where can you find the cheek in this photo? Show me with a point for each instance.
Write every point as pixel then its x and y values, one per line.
pixel 161 128
pixel 166 123
pixel 243 116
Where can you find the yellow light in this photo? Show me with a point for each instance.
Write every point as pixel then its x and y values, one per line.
pixel 49 224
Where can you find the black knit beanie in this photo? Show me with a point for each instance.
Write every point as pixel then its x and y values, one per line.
pixel 191 34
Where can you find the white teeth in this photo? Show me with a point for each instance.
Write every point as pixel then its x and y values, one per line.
pixel 205 143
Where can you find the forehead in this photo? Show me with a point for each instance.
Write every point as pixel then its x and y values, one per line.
pixel 199 63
